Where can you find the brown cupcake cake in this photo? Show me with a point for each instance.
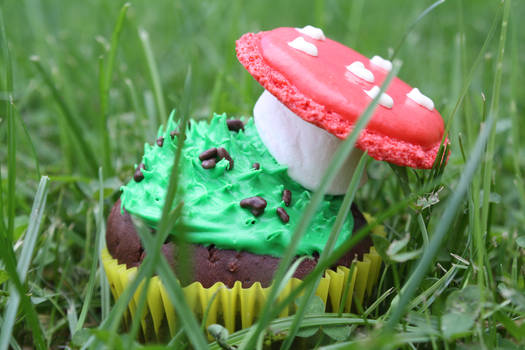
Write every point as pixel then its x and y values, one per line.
pixel 211 264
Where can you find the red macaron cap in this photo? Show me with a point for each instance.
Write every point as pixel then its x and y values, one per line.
pixel 330 85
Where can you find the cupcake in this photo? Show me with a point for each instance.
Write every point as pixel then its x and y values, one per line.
pixel 245 183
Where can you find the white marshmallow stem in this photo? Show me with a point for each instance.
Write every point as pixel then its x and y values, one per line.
pixel 306 149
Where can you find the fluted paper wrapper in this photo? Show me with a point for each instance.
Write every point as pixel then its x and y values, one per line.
pixel 236 308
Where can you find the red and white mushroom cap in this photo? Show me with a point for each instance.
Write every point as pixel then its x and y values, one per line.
pixel 329 85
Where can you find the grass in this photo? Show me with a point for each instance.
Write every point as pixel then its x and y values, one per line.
pixel 84 84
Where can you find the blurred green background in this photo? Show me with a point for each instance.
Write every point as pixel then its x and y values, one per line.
pixel 58 48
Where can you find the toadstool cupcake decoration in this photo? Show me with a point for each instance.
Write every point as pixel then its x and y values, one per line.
pixel 247 182
pixel 312 102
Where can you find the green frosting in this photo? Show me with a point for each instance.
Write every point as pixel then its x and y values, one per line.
pixel 212 214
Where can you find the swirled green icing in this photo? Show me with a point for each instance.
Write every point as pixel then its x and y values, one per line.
pixel 212 214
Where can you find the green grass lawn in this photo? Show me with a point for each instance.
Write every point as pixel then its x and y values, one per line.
pixel 85 83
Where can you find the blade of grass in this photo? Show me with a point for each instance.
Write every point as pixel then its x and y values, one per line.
pixel 445 280
pixel 377 302
pixel 90 289
pixel 474 219
pixel 14 344
pixel 156 261
pixel 11 134
pixel 442 228
pixel 342 152
pixel 208 307
pixel 154 75
pixel 3 223
pixel 396 341
pixel 13 341
pixel 483 233
pixel 146 269
pixel 173 190
pixel 422 228
pixel 174 289
pixel 515 84
pixel 168 277
pixel 18 274
pixel 101 232
pixel 71 121
pixel 311 320
pixel 474 206
pixel 193 331
pixel 346 290
pixel 32 229
pixel 289 274
pixel 71 315
pixel 177 341
pixel 149 242
pixel 139 311
pixel 106 73
pixel 330 243
pixel 18 294
pixel 489 155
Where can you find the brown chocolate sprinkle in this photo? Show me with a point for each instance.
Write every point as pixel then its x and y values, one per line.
pixel 208 154
pixel 287 197
pixel 283 215
pixel 256 166
pixel 160 141
pixel 174 133
pixel 223 153
pixel 209 163
pixel 235 125
pixel 138 176
pixel 256 204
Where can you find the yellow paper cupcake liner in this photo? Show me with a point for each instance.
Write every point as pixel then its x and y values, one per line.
pixel 236 308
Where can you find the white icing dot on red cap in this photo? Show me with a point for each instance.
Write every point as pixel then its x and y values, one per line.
pixel 302 45
pixel 358 68
pixel 385 100
pixel 312 32
pixel 416 96
pixel 381 62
